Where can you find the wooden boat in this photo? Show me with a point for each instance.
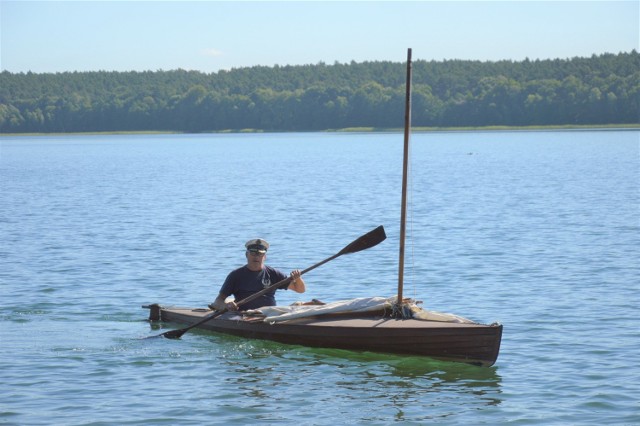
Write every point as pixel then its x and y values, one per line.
pixel 467 342
pixel 398 328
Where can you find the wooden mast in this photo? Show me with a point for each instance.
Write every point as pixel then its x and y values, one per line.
pixel 405 170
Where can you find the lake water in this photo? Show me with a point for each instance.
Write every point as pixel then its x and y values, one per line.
pixel 537 230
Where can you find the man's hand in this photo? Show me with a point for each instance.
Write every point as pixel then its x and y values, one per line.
pixel 297 283
pixel 295 275
pixel 219 304
pixel 231 306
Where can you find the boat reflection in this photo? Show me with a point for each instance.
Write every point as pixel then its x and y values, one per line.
pixel 399 379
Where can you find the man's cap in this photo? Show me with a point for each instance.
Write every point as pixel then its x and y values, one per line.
pixel 257 244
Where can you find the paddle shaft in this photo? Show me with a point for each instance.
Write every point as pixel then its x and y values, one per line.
pixel 366 241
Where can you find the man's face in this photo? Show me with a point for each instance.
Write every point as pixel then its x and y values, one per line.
pixel 255 259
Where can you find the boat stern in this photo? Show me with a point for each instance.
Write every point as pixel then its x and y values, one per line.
pixel 154 311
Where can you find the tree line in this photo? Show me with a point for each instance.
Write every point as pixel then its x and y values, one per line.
pixel 596 90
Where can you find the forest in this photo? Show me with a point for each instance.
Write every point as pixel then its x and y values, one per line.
pixel 598 90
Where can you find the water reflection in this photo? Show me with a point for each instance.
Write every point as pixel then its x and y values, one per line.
pixel 399 387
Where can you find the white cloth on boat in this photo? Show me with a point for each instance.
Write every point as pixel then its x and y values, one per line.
pixel 284 313
pixel 422 314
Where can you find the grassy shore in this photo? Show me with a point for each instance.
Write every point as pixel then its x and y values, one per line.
pixel 367 130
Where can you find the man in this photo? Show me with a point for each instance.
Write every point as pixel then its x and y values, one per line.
pixel 253 277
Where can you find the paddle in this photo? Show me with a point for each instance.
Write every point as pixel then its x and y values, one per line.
pixel 366 241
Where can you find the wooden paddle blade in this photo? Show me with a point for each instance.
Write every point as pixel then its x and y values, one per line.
pixel 366 241
pixel 174 334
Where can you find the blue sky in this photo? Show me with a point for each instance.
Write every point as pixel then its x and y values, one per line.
pixel 57 36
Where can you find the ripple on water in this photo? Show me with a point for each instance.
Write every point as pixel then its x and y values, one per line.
pixel 537 230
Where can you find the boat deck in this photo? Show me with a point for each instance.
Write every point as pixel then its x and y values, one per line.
pixel 190 316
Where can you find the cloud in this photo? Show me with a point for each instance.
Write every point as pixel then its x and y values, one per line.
pixel 212 52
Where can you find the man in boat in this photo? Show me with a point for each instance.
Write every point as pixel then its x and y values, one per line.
pixel 254 277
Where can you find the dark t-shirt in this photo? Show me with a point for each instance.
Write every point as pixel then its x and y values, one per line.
pixel 243 282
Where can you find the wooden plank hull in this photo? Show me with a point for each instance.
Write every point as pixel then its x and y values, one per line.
pixel 477 344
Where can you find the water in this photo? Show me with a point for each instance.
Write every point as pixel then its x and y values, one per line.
pixel 537 230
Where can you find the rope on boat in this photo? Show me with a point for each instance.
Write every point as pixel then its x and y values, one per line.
pixel 401 310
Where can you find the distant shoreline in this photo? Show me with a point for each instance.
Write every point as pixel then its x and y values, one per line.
pixel 358 130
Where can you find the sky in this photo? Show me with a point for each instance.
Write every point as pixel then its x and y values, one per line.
pixel 209 36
